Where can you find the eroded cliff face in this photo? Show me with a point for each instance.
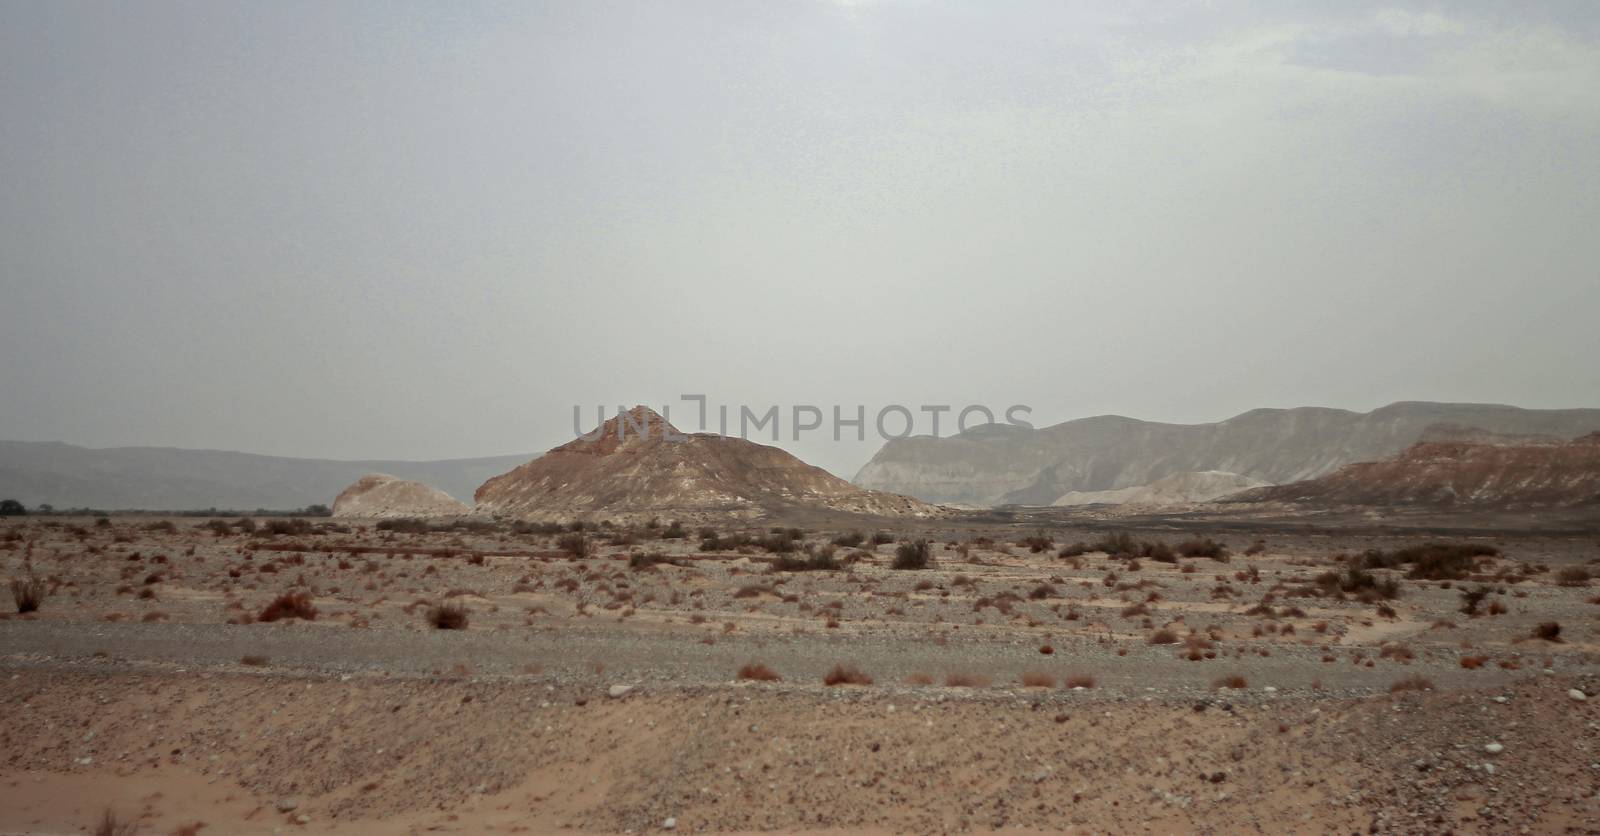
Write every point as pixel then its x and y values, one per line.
pixel 379 495
pixel 622 473
pixel 1177 489
pixel 1010 465
pixel 1460 473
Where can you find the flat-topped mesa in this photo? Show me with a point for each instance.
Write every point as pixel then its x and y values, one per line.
pixel 637 465
pixel 379 495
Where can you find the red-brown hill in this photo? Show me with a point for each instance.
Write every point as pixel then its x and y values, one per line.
pixel 1459 473
pixel 624 473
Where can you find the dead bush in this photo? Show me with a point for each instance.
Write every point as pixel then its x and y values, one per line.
pixel 289 605
pixel 447 616
pixel 1038 679
pixel 1548 631
pixel 1203 547
pixel 1414 682
pixel 843 674
pixel 1573 576
pixel 1163 636
pixel 576 543
pixel 758 672
pixel 110 825
pixel 966 680
pixel 914 555
pixel 1233 681
pixel 27 593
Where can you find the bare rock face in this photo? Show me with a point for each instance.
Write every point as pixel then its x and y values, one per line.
pixel 378 495
pixel 1003 464
pixel 637 466
pixel 1177 489
pixel 1462 474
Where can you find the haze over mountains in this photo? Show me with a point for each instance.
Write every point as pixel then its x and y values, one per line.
pixel 1068 463
pixel 1003 464
pixel 165 478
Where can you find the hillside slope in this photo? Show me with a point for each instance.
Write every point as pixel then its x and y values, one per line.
pixel 1459 473
pixel 997 465
pixel 164 478
pixel 620 475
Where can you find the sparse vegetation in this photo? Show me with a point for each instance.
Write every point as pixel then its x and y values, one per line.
pixel 759 673
pixel 914 555
pixel 1415 682
pixel 1038 679
pixel 447 616
pixel 1203 547
pixel 110 825
pixel 27 593
pixel 1549 631
pixel 289 605
pixel 846 675
pixel 1573 576
pixel 1234 681
pixel 1077 680
pixel 576 544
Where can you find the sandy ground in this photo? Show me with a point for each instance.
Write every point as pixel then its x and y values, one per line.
pixel 368 720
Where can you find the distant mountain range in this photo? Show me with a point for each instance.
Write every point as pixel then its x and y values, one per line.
pixel 170 479
pixel 1003 464
pixel 1502 471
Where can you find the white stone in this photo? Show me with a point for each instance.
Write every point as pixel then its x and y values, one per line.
pixel 670 824
pixel 617 692
pixel 1494 748
pixel 1577 695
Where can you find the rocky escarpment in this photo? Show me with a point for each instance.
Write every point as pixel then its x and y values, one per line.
pixel 379 495
pixel 1459 473
pixel 996 465
pixel 637 466
pixel 1177 489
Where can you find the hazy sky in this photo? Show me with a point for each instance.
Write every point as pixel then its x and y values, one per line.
pixel 427 230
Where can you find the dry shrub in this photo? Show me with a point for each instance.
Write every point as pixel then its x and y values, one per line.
pixel 919 679
pixel 1472 663
pixel 1038 679
pixel 843 674
pixel 1203 547
pixel 1046 649
pixel 448 616
pixel 1399 653
pixel 1163 636
pixel 110 825
pixel 1234 681
pixel 1573 576
pixel 914 555
pixel 1549 631
pixel 289 605
pixel 1414 682
pixel 1078 680
pixel 27 593
pixel 758 672
pixel 966 680
pixel 254 660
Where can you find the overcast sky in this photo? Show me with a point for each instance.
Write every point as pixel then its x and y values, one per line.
pixel 427 230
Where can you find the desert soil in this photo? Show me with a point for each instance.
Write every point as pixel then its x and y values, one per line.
pixel 1011 690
